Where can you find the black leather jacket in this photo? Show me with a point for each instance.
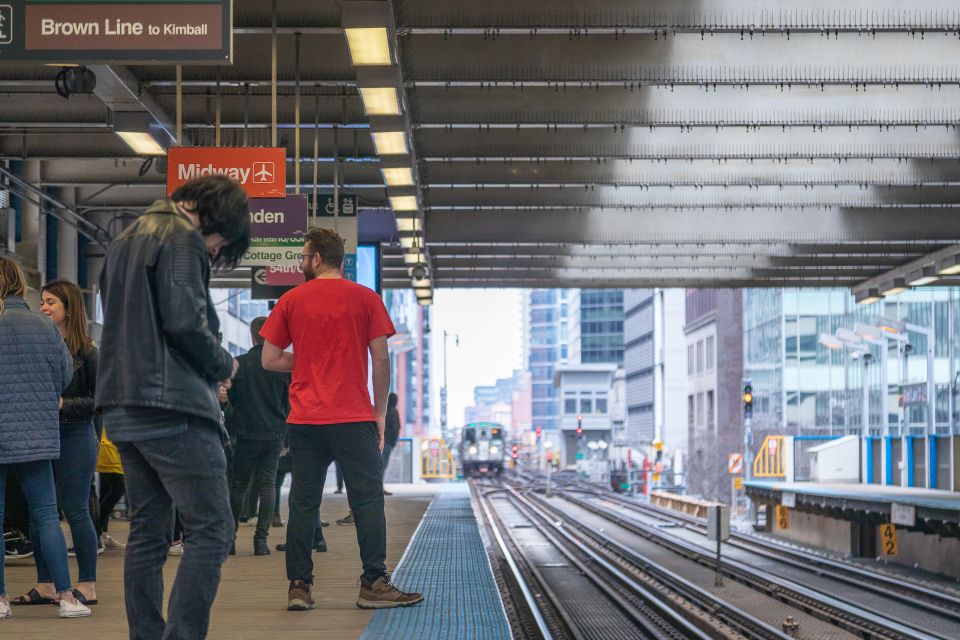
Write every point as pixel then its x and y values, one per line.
pixel 159 343
pixel 78 397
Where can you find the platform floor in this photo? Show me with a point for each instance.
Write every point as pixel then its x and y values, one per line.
pixel 252 599
pixel 932 498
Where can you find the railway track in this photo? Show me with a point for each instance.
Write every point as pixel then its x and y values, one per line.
pixel 863 608
pixel 585 587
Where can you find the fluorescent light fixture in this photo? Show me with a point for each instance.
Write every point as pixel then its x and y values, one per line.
pixel 830 341
pixel 413 258
pixel 423 293
pixel 409 242
pixel 950 266
pixel 403 203
pixel 898 285
pixel 425 302
pixel 890 325
pixel 368 45
pixel 408 225
pixel 380 101
pixel 390 142
pixel 137 130
pixel 847 337
pixel 927 276
pixel 869 296
pixel 421 284
pixel 398 176
pixel 867 331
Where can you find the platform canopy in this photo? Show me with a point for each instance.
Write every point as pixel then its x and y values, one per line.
pixel 611 143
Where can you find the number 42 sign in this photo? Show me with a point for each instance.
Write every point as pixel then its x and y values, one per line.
pixel 888 539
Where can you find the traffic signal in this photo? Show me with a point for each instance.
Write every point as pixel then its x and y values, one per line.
pixel 539 432
pixel 579 426
pixel 515 452
pixel 747 400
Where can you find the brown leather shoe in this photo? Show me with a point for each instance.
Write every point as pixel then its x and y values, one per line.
pixel 299 598
pixel 381 594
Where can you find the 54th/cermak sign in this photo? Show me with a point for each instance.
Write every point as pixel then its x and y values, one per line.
pixel 195 31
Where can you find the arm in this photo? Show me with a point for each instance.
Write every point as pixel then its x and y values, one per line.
pixel 182 305
pixel 276 359
pixel 66 362
pixel 381 381
pixel 81 407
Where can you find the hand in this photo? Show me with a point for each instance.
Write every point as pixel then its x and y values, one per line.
pixel 236 365
pixel 222 396
pixel 381 428
pixel 61 407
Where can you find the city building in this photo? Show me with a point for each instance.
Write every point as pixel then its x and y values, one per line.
pixel 507 402
pixel 545 322
pixel 596 326
pixel 585 392
pixel 714 373
pixel 410 360
pixel 654 353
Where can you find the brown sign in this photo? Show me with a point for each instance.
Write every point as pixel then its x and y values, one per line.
pixel 119 32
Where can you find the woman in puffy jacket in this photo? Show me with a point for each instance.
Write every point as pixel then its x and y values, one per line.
pixel 35 368
pixel 62 302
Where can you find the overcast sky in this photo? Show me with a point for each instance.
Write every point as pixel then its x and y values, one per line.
pixel 488 322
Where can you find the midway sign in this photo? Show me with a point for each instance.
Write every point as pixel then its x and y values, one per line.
pixel 261 171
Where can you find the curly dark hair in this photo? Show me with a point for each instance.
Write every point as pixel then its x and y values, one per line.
pixel 328 244
pixel 222 207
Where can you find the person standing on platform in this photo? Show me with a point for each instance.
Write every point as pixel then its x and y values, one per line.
pixel 391 433
pixel 159 367
pixel 111 489
pixel 35 368
pixel 62 302
pixel 257 420
pixel 333 324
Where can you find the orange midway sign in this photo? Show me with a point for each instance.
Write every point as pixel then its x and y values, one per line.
pixel 261 171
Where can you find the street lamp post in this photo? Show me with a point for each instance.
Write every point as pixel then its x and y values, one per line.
pixel 443 391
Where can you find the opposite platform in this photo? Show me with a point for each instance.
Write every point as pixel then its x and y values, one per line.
pixel 446 560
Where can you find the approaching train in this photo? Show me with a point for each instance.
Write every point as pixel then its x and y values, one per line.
pixel 482 450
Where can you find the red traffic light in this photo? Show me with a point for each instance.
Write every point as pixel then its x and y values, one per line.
pixel 579 430
pixel 539 431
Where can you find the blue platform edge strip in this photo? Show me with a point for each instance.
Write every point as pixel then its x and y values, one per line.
pixel 947 502
pixel 446 560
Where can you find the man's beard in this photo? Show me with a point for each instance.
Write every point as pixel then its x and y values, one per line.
pixel 308 273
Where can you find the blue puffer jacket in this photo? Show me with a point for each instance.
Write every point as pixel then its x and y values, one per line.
pixel 35 368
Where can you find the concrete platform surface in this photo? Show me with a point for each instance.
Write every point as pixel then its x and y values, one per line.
pixel 252 599
pixel 934 498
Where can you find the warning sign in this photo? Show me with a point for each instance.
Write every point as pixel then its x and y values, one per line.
pixel 738 483
pixel 735 463
pixel 888 539
pixel 783 517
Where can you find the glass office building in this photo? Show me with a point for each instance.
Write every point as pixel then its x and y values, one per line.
pixel 596 333
pixel 803 387
pixel 545 320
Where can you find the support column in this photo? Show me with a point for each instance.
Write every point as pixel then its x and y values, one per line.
pixel 67 241
pixel 32 245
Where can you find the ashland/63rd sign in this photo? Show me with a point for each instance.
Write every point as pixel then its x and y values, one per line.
pixel 161 31
pixel 277 226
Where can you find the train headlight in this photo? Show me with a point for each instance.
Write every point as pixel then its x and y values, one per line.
pixel 494 450
pixel 472 450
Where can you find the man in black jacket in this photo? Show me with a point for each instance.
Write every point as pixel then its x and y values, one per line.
pixel 257 418
pixel 159 367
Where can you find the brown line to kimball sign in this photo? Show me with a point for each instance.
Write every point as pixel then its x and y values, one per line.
pixel 121 32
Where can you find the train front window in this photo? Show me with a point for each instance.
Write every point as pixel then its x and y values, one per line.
pixel 469 436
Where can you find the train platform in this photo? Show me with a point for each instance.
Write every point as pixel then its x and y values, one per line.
pixel 440 555
pixel 924 504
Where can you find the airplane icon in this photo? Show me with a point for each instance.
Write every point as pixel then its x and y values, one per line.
pixel 263 172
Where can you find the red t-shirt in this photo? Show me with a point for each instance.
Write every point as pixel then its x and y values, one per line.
pixel 330 323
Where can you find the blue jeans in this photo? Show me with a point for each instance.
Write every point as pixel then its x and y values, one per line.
pixel 36 480
pixel 187 472
pixel 74 473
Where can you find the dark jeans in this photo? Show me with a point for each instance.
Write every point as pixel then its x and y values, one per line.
pixel 256 461
pixel 111 491
pixel 187 472
pixel 339 473
pixel 36 481
pixel 385 456
pixel 354 446
pixel 74 473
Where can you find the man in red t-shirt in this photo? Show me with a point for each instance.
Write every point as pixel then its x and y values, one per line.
pixel 333 324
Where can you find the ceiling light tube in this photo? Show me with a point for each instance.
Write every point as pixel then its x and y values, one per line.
pixel 425 302
pixel 370 29
pixel 869 296
pixel 891 325
pixel 398 176
pixel 421 284
pixel 922 278
pixel 898 285
pixel 950 266
pixel 137 130
pixel 403 203
pixel 408 225
pixel 380 101
pixel 422 293
pixel 830 341
pixel 413 258
pixel 390 142
pixel 409 242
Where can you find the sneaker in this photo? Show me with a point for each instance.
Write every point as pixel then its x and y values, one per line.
pixel 73 609
pixel 324 523
pixel 110 543
pixel 298 596
pixel 381 594
pixel 277 521
pixel 260 548
pixel 5 611
pixel 348 521
pixel 176 549
pixel 18 549
pixel 387 493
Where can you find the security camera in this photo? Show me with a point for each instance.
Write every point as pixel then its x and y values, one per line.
pixel 419 272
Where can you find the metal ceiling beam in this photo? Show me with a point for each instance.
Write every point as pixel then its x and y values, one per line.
pixel 848 267
pixel 710 225
pixel 856 253
pixel 119 89
pixel 683 59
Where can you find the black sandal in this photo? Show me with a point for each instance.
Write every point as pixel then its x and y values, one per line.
pixel 82 599
pixel 32 597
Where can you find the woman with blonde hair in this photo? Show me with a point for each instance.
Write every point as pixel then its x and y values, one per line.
pixel 35 368
pixel 62 302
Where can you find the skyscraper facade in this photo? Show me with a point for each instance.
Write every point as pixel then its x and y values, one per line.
pixel 410 360
pixel 546 313
pixel 596 326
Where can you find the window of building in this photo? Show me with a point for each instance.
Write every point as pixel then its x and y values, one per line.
pixel 710 353
pixel 235 349
pixel 586 406
pixel 569 405
pixel 601 405
pixel 710 410
pixel 700 408
pixel 690 360
pixel 699 356
pixel 691 415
